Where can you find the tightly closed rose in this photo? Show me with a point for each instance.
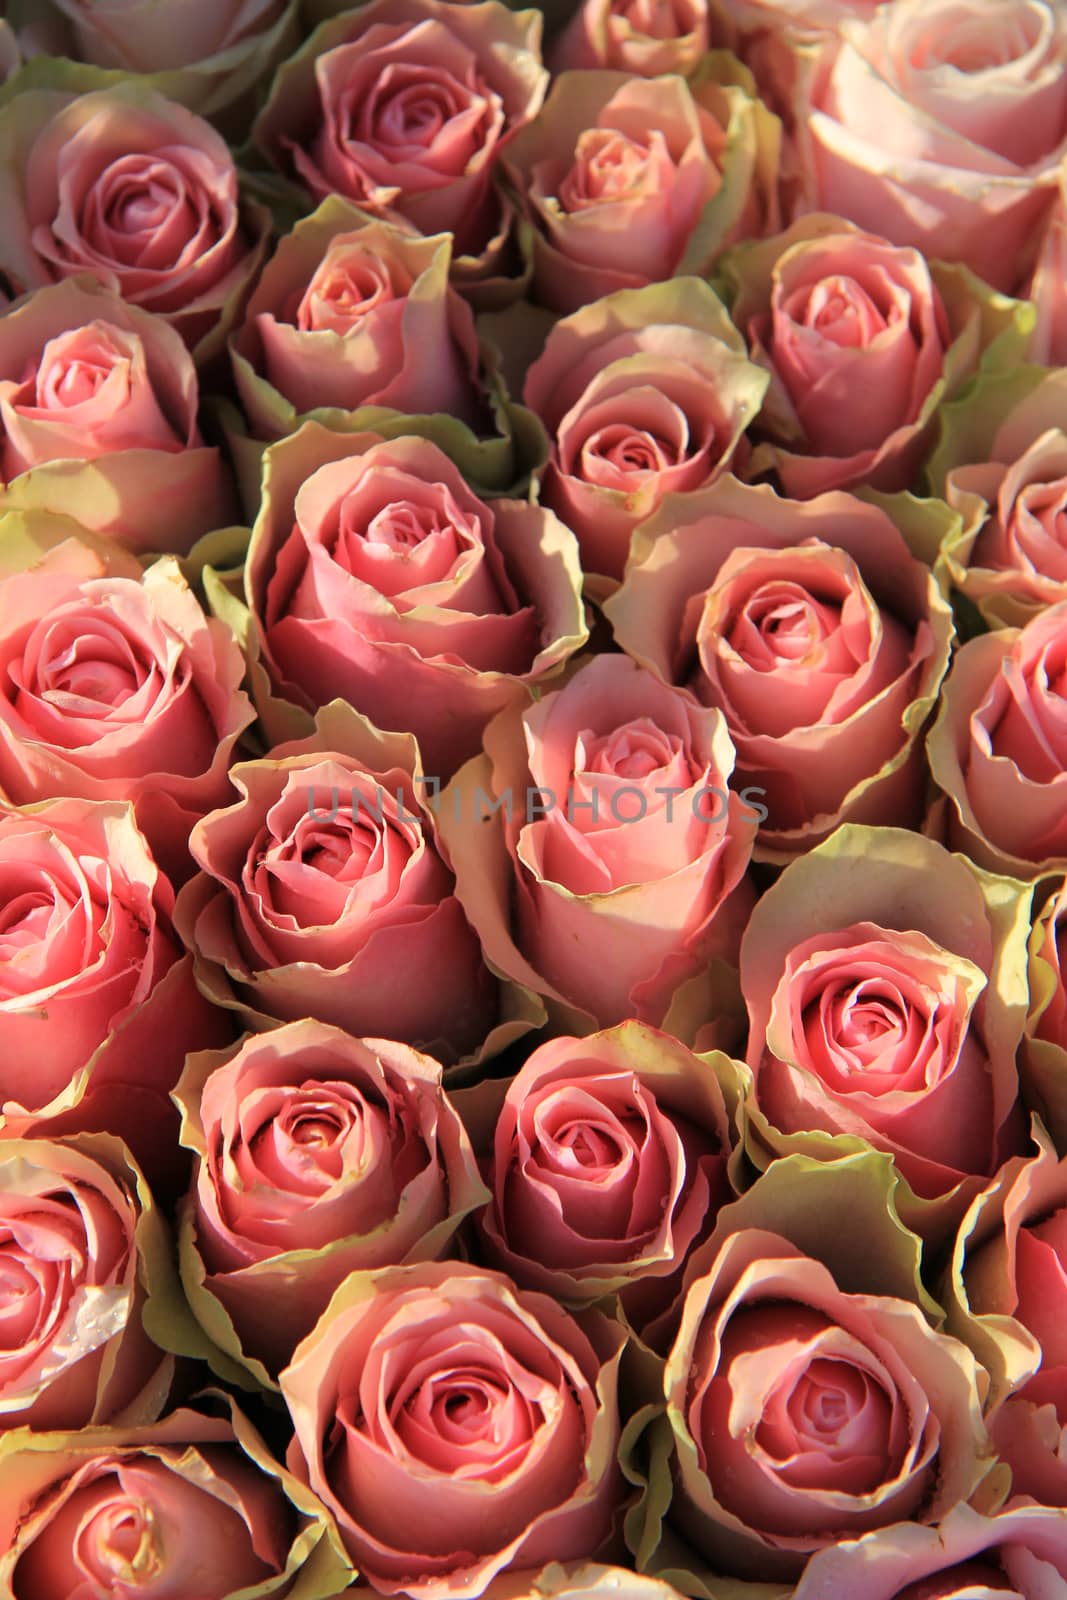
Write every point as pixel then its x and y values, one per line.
pixel 815 631
pixel 320 1155
pixel 1044 1052
pixel 190 1506
pixel 324 894
pixel 629 181
pixel 114 689
pixel 645 37
pixel 886 991
pixel 97 1003
pixel 943 128
pixel 133 190
pixel 608 1166
pixel 350 312
pixel 1002 463
pixel 79 1243
pixel 598 850
pixel 998 750
pixel 403 106
pixel 862 340
pixel 376 574
pixel 456 1427
pixel 643 394
pixel 802 1414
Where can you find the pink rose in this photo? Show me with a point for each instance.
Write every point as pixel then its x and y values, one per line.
pixel 943 129
pixel 643 394
pixel 323 890
pixel 376 574
pixel 133 190
pixel 97 1003
pixel 645 37
pixel 1043 1062
pixel 79 1241
pixel 114 689
pixel 998 750
pixel 628 181
pixel 608 1167
pixel 86 378
pixel 403 107
pixel 802 1414
pixel 191 1506
pixel 815 631
pixel 456 1427
pixel 886 1002
pixel 597 848
pixel 862 340
pixel 320 1155
pixel 352 312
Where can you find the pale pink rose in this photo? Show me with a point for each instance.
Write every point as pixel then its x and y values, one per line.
pixel 645 37
pixel 457 1427
pixel 324 894
pixel 643 394
pixel 630 181
pixel 615 866
pixel 403 107
pixel 86 378
pixel 802 1414
pixel 814 629
pixel 376 574
pixel 998 750
pixel 352 311
pixel 942 127
pixel 133 190
pixel 886 1001
pixel 78 1244
pixel 320 1155
pixel 608 1167
pixel 114 689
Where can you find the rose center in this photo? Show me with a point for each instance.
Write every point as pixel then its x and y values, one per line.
pixel 121 1544
pixel 339 853
pixel 781 623
pixel 608 167
pixel 591 1146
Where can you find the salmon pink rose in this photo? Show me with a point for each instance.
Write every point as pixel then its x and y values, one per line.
pixel 608 1166
pixel 375 573
pixel 863 340
pixel 942 127
pixel 114 689
pixel 886 992
pixel 998 750
pixel 97 1003
pixel 319 1155
pixel 629 181
pixel 323 889
pixel 133 190
pixel 645 37
pixel 644 393
pixel 598 849
pixel 814 629
pixel 457 1427
pixel 403 106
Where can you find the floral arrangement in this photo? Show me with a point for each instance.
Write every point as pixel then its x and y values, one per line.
pixel 533 799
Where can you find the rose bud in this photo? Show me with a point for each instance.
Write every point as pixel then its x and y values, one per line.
pixel 97 1003
pixel 191 1506
pixel 323 889
pixel 886 991
pixel 608 1167
pixel 943 129
pixel 135 191
pixel 645 393
pixel 629 181
pixel 456 1427
pixel 1002 463
pixel 998 750
pixel 598 849
pixel 863 340
pixel 376 574
pixel 347 115
pixel 319 1155
pixel 117 689
pixel 817 633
